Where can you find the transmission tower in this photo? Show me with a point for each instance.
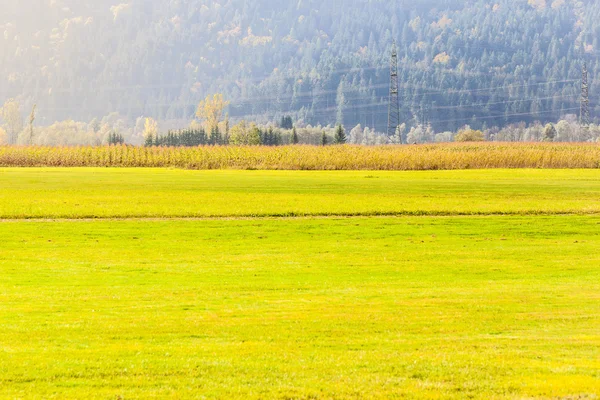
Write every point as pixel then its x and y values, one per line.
pixel 394 110
pixel 584 115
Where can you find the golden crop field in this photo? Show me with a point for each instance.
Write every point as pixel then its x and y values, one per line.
pixel 447 156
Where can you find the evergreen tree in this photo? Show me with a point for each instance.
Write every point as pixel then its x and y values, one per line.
pixel 225 138
pixel 324 139
pixel 215 136
pixel 149 141
pixel 340 135
pixel 295 139
pixel 115 138
pixel 286 122
pixel 226 124
pixel 271 137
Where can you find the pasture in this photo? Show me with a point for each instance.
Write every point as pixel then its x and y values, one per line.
pixel 162 193
pixel 194 284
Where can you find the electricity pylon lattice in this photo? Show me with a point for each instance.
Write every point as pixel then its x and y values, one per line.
pixel 584 114
pixel 394 110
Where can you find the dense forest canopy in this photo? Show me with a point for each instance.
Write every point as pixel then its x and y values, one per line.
pixel 483 63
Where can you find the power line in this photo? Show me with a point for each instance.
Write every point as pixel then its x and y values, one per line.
pixel 508 115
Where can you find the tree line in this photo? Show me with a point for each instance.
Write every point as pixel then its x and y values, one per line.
pixel 212 126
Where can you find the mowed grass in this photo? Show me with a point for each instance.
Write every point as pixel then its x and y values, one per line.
pixel 457 302
pixel 102 193
pixel 487 307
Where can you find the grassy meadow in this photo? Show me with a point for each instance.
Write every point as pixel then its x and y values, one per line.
pixel 157 283
pixel 160 193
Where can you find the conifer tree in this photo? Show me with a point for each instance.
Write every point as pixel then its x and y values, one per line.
pixel 115 138
pixel 225 138
pixel 295 139
pixel 324 139
pixel 286 122
pixel 340 135
pixel 271 136
pixel 215 136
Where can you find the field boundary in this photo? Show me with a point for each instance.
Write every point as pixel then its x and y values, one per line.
pixel 408 214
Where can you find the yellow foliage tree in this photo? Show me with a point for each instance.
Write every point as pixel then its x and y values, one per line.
pixel 150 131
pixel 243 134
pixel 469 135
pixel 2 136
pixel 253 136
pixel 238 134
pixel 211 110
pixel 11 114
pixel 442 58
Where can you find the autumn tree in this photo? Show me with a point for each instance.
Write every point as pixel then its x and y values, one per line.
pixel 150 131
pixel 254 136
pixel 469 135
pixel 3 136
pixel 95 125
pixel 549 133
pixel 13 120
pixel 243 134
pixel 237 133
pixel 31 121
pixel 211 110
pixel 415 135
pixel 398 137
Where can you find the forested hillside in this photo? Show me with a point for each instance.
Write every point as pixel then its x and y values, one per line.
pixel 461 62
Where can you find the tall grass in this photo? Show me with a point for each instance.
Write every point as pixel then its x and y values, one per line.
pixel 347 157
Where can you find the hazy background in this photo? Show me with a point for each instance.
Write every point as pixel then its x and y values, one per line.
pixel 482 63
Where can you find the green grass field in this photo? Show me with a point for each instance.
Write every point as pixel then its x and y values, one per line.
pixel 344 307
pixel 101 193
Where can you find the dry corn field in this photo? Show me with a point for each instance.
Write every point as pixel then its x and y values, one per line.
pixel 347 157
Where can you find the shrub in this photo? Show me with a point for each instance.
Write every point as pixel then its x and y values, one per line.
pixel 469 135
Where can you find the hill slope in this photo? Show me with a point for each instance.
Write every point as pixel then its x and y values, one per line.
pixel 320 61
